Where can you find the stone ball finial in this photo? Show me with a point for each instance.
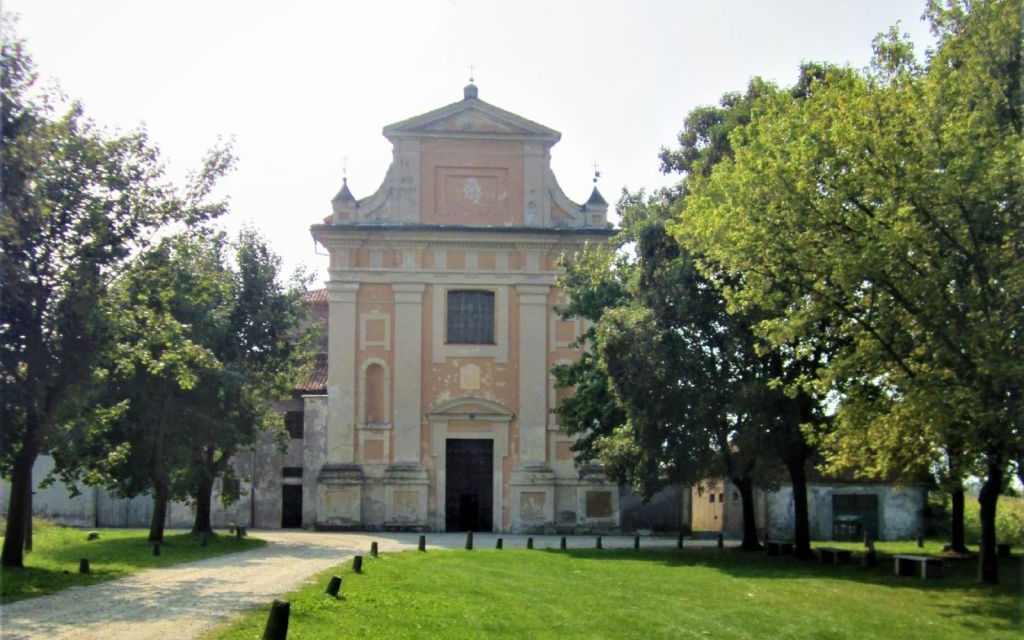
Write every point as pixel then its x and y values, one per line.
pixel 470 91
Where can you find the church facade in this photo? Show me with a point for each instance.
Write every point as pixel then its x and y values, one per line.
pixel 441 335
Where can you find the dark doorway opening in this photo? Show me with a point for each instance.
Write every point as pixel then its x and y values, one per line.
pixel 291 506
pixel 469 485
pixel 854 515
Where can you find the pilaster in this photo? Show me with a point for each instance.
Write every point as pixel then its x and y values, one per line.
pixel 341 372
pixel 533 375
pixel 408 360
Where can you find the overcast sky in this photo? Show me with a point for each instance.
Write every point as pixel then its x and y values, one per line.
pixel 300 85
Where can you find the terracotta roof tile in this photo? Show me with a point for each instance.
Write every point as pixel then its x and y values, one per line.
pixel 315 296
pixel 316 380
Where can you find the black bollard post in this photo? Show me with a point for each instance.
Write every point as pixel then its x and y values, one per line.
pixel 334 586
pixel 529 543
pixel 867 539
pixel 679 541
pixel 597 543
pixel 357 564
pixel 469 541
pixel 423 543
pixel 277 621
pixel 920 542
pixel 499 544
pixel 373 549
pixel 721 541
pixel 561 545
pixel 156 548
pixel 636 543
pixel 83 566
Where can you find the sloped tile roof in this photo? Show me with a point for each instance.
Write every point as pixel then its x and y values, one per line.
pixel 316 381
pixel 315 296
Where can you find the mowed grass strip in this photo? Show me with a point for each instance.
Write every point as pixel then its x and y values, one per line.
pixel 53 563
pixel 618 594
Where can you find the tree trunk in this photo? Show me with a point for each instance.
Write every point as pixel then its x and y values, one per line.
pixel 989 496
pixel 801 519
pixel 957 541
pixel 161 495
pixel 21 485
pixel 28 515
pixel 746 489
pixel 203 497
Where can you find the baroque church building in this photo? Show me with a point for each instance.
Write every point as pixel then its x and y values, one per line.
pixel 436 412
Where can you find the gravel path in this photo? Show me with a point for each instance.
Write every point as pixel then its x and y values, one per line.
pixel 187 599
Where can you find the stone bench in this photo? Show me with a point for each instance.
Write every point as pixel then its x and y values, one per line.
pixel 924 566
pixel 776 548
pixel 831 555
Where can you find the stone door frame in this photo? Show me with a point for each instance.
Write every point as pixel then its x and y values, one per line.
pixel 490 422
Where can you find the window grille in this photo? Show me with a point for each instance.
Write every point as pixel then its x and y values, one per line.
pixel 470 317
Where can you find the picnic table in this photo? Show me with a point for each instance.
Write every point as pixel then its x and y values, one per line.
pixel 777 548
pixel 832 555
pixel 924 566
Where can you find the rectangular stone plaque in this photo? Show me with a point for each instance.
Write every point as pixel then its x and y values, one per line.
pixel 599 504
pixel 531 505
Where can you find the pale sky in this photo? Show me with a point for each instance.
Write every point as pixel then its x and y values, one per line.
pixel 300 85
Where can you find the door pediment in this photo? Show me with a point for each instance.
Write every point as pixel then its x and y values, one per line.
pixel 470 408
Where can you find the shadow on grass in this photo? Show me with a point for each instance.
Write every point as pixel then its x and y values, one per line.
pixel 1002 604
pixel 55 568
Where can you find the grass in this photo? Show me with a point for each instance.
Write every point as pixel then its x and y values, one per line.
pixel 697 593
pixel 53 564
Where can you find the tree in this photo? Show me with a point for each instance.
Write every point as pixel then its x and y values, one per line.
pixel 155 362
pixel 77 204
pixel 663 395
pixel 259 336
pixel 887 207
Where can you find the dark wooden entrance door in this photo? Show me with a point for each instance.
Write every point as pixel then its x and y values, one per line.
pixel 469 485
pixel 291 506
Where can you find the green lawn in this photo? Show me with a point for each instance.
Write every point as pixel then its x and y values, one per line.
pixel 648 594
pixel 53 564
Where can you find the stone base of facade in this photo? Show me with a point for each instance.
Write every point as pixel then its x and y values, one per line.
pixel 395 497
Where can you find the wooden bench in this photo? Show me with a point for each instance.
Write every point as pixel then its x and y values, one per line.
pixel 924 566
pixel 831 555
pixel 776 548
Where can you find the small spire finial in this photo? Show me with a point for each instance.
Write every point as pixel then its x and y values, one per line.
pixel 344 169
pixel 471 67
pixel 597 174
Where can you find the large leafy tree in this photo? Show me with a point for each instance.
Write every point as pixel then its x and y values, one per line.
pixel 886 206
pixel 261 341
pixel 665 395
pixel 76 204
pixel 166 296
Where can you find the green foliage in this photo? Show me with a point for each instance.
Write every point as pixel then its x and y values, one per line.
pixel 1009 521
pixel 656 594
pixel 53 564
pixel 76 204
pixel 885 207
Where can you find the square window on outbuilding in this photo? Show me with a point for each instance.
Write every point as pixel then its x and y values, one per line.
pixel 293 423
pixel 470 317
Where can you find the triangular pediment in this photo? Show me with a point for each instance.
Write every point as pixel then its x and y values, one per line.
pixel 471 408
pixel 471 117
